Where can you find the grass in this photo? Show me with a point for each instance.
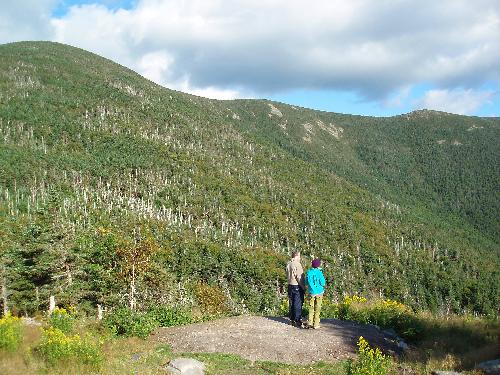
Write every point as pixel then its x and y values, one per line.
pixel 451 342
pixel 454 343
pixel 218 363
pixel 447 343
pixel 132 355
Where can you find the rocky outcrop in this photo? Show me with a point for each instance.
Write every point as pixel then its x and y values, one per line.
pixel 490 367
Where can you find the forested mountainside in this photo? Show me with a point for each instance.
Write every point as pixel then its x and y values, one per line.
pixel 114 190
pixel 447 162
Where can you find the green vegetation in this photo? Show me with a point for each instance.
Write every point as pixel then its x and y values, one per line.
pixel 56 346
pixel 444 344
pixel 118 192
pixel 10 333
pixel 465 338
pixel 126 322
pixel 62 320
pixel 59 343
pixel 370 361
pixel 167 317
pixel 382 313
pixel 130 355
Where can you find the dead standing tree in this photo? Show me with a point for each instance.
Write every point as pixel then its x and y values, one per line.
pixel 135 259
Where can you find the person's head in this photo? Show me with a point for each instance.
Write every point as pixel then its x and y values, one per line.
pixel 316 263
pixel 295 254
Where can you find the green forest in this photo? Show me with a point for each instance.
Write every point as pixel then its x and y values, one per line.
pixel 119 192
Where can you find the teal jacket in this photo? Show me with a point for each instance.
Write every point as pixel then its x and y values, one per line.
pixel 315 281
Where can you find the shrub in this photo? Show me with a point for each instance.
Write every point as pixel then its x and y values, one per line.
pixel 62 319
pixel 330 309
pixel 56 346
pixel 383 313
pixel 369 362
pixel 10 332
pixel 387 313
pixel 352 308
pixel 168 317
pixel 284 307
pixel 211 299
pixel 126 322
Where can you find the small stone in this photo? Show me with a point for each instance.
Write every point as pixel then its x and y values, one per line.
pixel 185 366
pixel 490 367
pixel 402 345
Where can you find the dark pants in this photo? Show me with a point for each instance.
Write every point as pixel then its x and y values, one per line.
pixel 295 301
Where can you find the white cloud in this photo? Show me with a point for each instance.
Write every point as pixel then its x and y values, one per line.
pixel 25 20
pixel 210 92
pixel 97 29
pixel 154 66
pixel 458 101
pixel 227 47
pixel 398 99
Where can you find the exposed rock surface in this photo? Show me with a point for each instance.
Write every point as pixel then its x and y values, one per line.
pixel 274 339
pixel 490 367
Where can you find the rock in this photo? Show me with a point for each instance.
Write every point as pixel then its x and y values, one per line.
pixel 402 345
pixel 136 356
pixel 490 367
pixel 390 333
pixel 445 373
pixel 30 321
pixel 185 366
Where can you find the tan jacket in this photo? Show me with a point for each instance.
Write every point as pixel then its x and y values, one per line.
pixel 295 273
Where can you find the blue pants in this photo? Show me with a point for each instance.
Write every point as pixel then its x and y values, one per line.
pixel 295 301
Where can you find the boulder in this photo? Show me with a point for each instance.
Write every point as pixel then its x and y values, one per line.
pixel 490 367
pixel 185 366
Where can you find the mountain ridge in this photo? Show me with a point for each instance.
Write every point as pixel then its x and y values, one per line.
pixel 100 163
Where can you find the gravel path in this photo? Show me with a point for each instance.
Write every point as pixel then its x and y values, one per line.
pixel 274 339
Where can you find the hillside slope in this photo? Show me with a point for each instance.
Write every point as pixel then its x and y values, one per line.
pixel 115 190
pixel 446 162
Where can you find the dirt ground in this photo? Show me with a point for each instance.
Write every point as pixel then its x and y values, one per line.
pixel 274 339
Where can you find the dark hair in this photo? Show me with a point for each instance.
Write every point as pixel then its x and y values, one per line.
pixel 295 253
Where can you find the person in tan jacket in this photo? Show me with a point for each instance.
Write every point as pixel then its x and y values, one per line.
pixel 296 289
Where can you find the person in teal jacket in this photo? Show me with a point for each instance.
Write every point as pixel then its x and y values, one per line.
pixel 315 282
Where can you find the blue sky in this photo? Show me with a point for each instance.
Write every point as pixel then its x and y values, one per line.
pixel 350 103
pixel 63 6
pixel 370 57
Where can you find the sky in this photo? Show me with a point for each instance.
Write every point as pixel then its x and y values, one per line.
pixel 368 57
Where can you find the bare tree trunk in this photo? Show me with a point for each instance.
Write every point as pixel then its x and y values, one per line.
pixel 132 289
pixel 99 312
pixel 68 273
pixel 4 296
pixel 52 304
